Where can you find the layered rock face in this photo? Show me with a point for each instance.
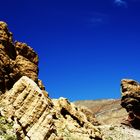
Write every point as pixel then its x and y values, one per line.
pixel 16 60
pixel 37 117
pixel 131 101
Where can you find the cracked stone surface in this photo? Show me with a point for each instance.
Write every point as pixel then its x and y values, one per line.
pixel 37 117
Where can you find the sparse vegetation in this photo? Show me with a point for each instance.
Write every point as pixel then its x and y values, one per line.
pixel 6 130
pixel 109 138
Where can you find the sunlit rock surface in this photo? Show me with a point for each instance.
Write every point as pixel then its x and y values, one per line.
pixel 37 117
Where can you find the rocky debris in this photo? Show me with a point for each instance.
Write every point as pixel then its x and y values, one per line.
pixel 110 114
pixel 90 115
pixel 37 117
pixel 16 60
pixel 131 101
pixel 119 132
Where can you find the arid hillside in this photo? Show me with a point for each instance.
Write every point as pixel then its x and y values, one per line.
pixel 106 111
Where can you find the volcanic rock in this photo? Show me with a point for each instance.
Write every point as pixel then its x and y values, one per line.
pixel 131 101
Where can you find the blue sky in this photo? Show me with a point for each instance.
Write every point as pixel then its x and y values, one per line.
pixel 85 46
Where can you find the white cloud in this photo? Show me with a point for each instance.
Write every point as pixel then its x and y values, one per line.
pixel 120 3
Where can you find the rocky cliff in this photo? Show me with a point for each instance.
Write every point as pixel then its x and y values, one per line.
pixel 25 105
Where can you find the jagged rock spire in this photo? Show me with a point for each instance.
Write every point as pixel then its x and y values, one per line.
pixel 16 60
pixel 131 101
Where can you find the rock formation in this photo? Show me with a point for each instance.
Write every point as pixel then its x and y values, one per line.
pixel 16 60
pixel 131 101
pixel 37 117
pixel 26 106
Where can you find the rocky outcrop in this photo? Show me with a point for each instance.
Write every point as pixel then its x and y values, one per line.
pixel 37 117
pixel 26 106
pixel 131 101
pixel 16 60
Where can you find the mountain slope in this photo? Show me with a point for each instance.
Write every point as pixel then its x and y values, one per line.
pixel 106 111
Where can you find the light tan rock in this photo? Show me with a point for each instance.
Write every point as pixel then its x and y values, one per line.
pixel 37 117
pixel 25 67
pixel 26 51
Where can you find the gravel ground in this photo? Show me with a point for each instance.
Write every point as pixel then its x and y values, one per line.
pixel 119 132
